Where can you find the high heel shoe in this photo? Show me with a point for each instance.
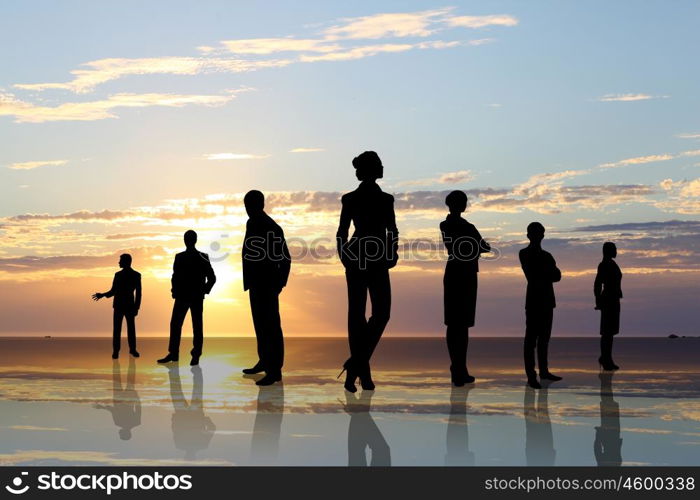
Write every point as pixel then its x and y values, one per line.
pixel 607 366
pixel 366 379
pixel 349 378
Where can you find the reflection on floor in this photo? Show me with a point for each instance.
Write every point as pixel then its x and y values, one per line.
pixel 65 402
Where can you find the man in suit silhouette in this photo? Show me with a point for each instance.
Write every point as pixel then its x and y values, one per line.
pixel 266 265
pixel 126 290
pixel 193 278
pixel 541 272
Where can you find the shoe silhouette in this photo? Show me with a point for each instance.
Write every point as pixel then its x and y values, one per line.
pixel 550 376
pixel 541 272
pixel 350 377
pixel 464 245
pixel 533 383
pixel 265 274
pixel 269 379
pixel 258 368
pixel 168 359
pixel 367 257
pixel 135 354
pixel 194 361
pixel 115 355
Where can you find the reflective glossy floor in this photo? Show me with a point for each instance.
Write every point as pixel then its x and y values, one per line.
pixel 65 402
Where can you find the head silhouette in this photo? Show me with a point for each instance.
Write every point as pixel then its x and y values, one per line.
pixel 456 201
pixel 254 202
pixel 190 239
pixel 535 232
pixel 368 166
pixel 609 250
pixel 125 260
pixel 124 434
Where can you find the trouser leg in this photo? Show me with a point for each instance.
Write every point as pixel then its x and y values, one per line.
pixel 457 341
pixel 180 308
pixel 197 313
pixel 543 341
pixel 380 296
pixel 530 343
pixel 264 305
pixel 357 322
pixel 131 331
pixel 117 330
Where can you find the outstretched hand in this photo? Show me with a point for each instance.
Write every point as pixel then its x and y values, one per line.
pixel 97 296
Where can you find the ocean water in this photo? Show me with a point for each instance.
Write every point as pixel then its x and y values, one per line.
pixel 65 402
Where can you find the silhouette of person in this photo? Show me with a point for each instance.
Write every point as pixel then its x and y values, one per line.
pixel 363 433
pixel 464 245
pixel 608 292
pixel 126 404
pixel 539 441
pixel 264 446
pixel 266 265
pixel 607 445
pixel 541 272
pixel 367 257
pixel 126 290
pixel 193 278
pixel 458 452
pixel 192 429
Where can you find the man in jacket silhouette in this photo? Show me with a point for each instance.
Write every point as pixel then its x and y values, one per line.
pixel 126 290
pixel 541 272
pixel 266 266
pixel 193 278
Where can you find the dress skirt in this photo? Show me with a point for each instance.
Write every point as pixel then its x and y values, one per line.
pixel 460 298
pixel 610 319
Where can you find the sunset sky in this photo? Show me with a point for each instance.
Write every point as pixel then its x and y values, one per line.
pixel 122 125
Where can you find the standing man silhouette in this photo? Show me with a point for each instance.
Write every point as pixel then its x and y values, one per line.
pixel 541 272
pixel 193 278
pixel 607 289
pixel 126 290
pixel 266 265
pixel 367 258
pixel 464 245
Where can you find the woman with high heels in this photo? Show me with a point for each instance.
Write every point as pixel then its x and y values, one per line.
pixel 608 292
pixel 367 257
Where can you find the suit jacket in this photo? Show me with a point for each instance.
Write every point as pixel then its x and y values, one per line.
pixel 607 286
pixel 464 244
pixel 266 259
pixel 193 276
pixel 371 211
pixel 541 272
pixel 126 290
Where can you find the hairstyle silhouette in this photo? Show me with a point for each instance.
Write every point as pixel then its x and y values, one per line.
pixel 190 238
pixel 125 260
pixel 368 166
pixel 254 202
pixel 456 201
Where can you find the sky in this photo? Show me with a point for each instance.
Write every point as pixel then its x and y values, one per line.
pixel 124 124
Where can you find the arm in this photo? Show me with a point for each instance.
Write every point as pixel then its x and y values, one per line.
pixel 211 277
pixel 556 273
pixel 392 234
pixel 285 263
pixel 110 293
pixel 484 247
pixel 598 286
pixel 175 280
pixel 341 235
pixel 137 304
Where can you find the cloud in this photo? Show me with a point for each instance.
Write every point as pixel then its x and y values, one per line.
pixel 481 21
pixel 105 70
pixel 306 150
pixel 396 25
pixel 30 165
pixel 358 52
pixel 234 156
pixel 25 112
pixel 629 97
pixel 458 177
pixel 639 160
pixel 689 136
pixel 265 46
